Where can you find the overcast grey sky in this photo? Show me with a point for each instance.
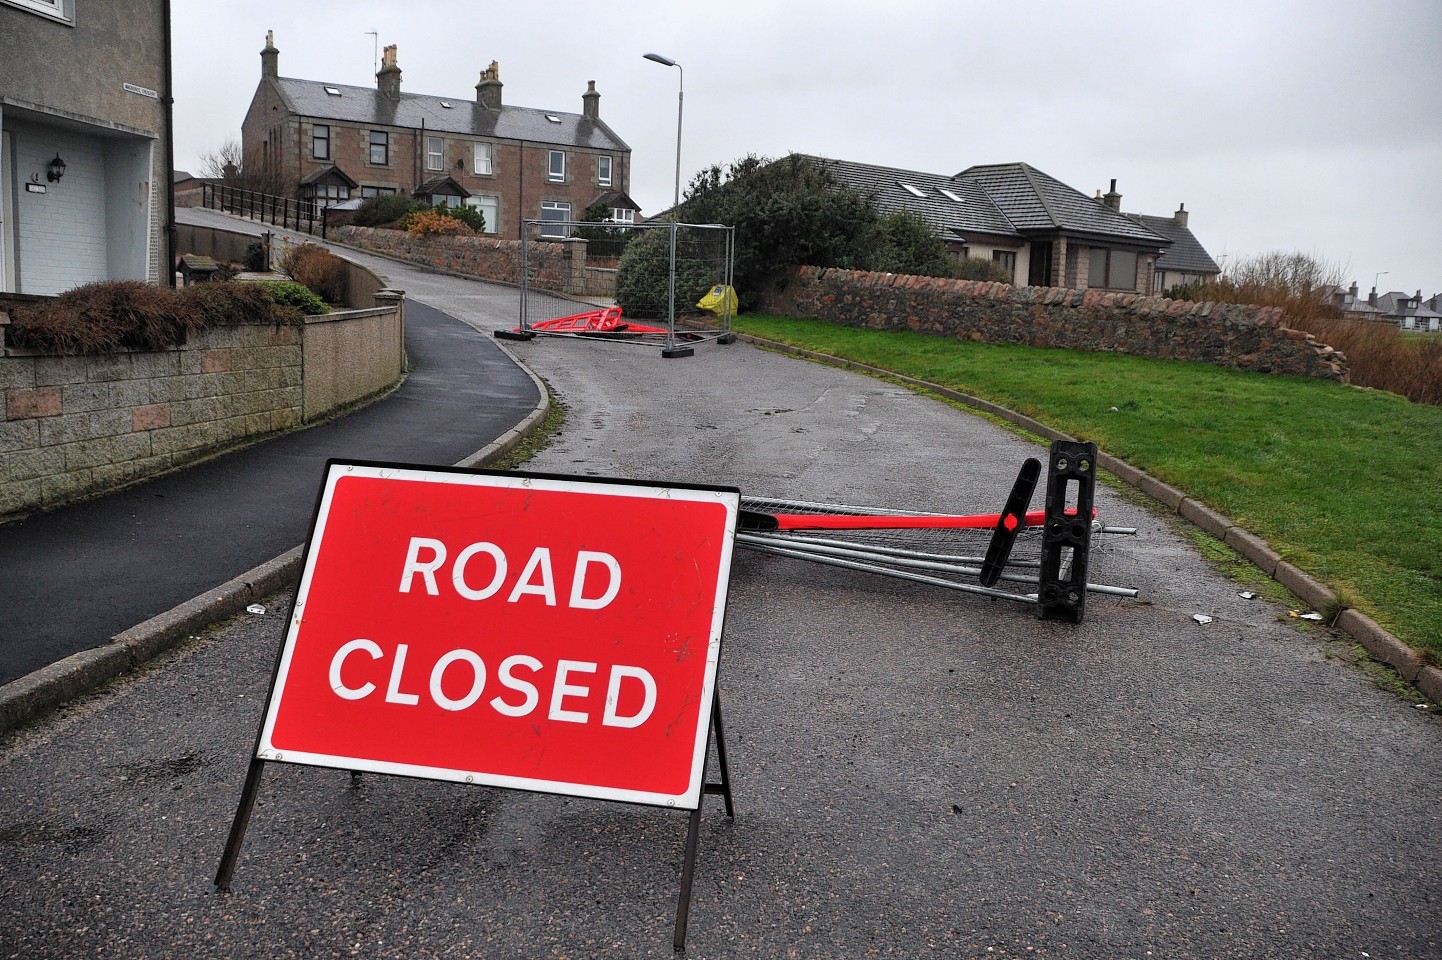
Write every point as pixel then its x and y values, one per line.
pixel 1290 125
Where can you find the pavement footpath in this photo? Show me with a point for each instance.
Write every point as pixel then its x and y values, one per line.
pixel 916 773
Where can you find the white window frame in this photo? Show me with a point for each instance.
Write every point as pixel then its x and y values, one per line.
pixel 622 215
pixel 490 208
pixel 435 153
pixel 555 173
pixel 315 138
pixel 605 167
pixel 483 161
pixel 561 206
pixel 62 10
pixel 371 145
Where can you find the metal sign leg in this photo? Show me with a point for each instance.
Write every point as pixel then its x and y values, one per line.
pixel 238 825
pixel 693 828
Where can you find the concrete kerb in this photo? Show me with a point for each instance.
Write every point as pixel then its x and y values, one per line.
pixel 1380 644
pixel 41 692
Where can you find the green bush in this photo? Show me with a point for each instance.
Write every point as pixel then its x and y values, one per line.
pixel 470 216
pixel 385 211
pixel 283 293
pixel 255 257
pixel 643 277
pixel 980 268
pixel 908 244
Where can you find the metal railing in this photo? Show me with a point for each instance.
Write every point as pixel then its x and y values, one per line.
pixel 307 216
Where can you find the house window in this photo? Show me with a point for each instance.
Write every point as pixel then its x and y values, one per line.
pixel 621 215
pixel 557 168
pixel 63 10
pixel 483 159
pixel 490 208
pixel 380 153
pixel 1112 269
pixel 435 153
pixel 603 171
pixel 320 141
pixel 1007 259
pixel 368 192
pixel 554 214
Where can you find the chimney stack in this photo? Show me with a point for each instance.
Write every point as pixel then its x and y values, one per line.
pixel 1352 291
pixel 591 102
pixel 1180 217
pixel 488 91
pixel 270 57
pixel 388 78
pixel 1113 199
pixel 1372 297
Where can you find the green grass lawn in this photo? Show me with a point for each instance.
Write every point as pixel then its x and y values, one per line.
pixel 1344 483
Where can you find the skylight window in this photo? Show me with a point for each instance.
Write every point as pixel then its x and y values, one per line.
pixel 912 189
pixel 332 91
pixel 553 118
pixel 446 104
pixel 949 195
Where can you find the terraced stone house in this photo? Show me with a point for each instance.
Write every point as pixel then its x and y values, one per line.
pixel 329 143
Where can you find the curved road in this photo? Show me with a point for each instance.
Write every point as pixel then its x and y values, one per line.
pixel 917 774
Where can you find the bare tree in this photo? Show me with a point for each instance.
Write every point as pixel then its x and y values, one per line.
pixel 236 167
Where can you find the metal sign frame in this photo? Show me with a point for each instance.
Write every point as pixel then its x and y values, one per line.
pixel 322 695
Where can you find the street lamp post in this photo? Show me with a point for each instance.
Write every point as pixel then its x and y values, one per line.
pixel 672 349
pixel 680 110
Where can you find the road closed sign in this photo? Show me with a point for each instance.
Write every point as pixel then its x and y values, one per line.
pixel 542 633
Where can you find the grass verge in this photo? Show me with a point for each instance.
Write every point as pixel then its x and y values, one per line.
pixel 1343 482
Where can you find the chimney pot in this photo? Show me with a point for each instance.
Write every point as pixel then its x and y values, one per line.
pixel 488 90
pixel 388 78
pixel 270 57
pixel 591 102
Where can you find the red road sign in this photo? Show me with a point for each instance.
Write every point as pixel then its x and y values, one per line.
pixel 542 633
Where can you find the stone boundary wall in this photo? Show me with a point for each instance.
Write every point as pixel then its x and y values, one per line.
pixel 554 265
pixel 73 426
pixel 1225 335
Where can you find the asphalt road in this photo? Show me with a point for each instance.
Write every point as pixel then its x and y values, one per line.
pixel 917 773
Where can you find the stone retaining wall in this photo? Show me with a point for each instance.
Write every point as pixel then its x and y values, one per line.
pixel 1227 335
pixel 553 265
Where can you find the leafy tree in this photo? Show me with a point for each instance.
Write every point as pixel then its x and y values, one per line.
pixel 907 244
pixel 643 277
pixel 787 212
pixel 602 241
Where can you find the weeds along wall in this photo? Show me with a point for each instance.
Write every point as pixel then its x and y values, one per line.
pixel 1226 335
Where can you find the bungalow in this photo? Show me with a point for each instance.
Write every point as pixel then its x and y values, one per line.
pixel 328 142
pixel 1042 231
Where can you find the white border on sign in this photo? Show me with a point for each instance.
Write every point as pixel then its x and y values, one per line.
pixel 690 799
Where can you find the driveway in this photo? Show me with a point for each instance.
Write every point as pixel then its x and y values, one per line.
pixel 916 773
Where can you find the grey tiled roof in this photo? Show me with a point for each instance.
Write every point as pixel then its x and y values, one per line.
pixel 976 214
pixel 1014 201
pixel 366 105
pixel 1038 203
pixel 1186 254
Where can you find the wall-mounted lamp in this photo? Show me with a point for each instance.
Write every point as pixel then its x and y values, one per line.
pixel 56 170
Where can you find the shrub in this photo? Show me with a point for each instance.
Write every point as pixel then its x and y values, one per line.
pixel 434 223
pixel 385 211
pixel 302 298
pixel 105 317
pixel 470 216
pixel 255 257
pixel 643 278
pixel 907 244
pixel 217 304
pixel 317 268
pixel 980 268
